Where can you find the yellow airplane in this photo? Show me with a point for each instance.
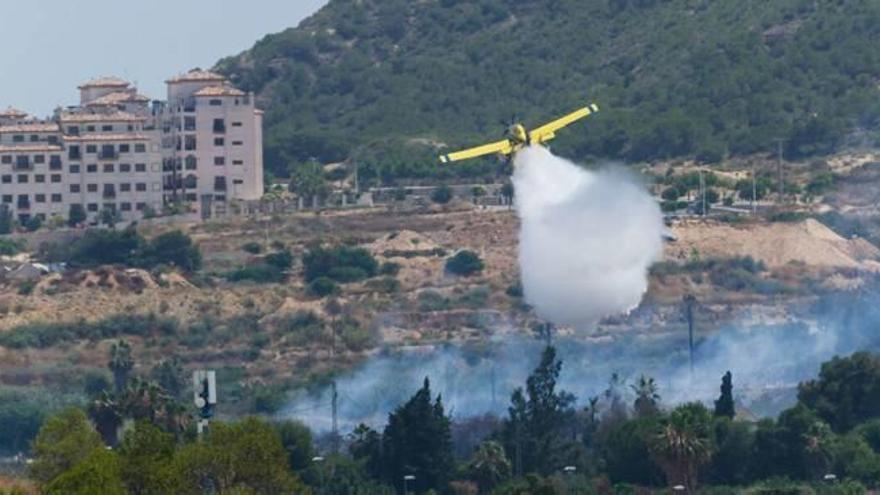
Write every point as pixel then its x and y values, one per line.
pixel 517 137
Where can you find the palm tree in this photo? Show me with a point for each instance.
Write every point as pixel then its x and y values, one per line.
pixel 647 396
pixel 121 363
pixel 489 466
pixel 683 445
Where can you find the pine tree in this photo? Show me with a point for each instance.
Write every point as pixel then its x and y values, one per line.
pixel 418 441
pixel 724 406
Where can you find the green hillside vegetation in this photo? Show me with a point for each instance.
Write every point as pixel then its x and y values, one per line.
pixel 382 81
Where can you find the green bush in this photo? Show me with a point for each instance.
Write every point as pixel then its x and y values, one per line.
pixel 268 400
pixel 252 247
pixel 341 263
pixel 33 224
pixel 323 287
pixel 282 260
pixel 465 263
pixel 430 300
pixel 442 195
pixel 389 268
pixel 262 274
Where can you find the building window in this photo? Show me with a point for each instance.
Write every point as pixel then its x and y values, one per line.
pixel 124 148
pixel 24 201
pixel 55 162
pixel 22 161
pixel 40 198
pixel 74 169
pixel 219 126
pixel 189 143
pixel 191 197
pixel 34 138
pixel 18 138
pixel 140 148
pixel 6 160
pixel 219 183
pixel 92 187
pixel 56 198
pixel 108 168
pixel 7 179
pixel 108 152
pixel 90 128
pixel 22 179
pixel 140 187
pixel 7 198
pixel 92 168
pixel 73 130
pixel 52 139
pixel 219 160
pixel 91 149
pixel 109 191
pixel 106 128
pixel 140 206
pixel 125 206
pixel 216 103
pixel 219 141
pixel 236 124
pixel 92 207
pixel 73 152
pixel 238 182
pixel 140 167
pixel 237 162
pixel 55 178
pixel 74 188
pixel 39 158
pixel 39 178
pixel 190 162
pixel 237 143
pixel 125 167
pixel 125 187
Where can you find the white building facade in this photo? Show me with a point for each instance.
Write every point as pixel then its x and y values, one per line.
pixel 118 151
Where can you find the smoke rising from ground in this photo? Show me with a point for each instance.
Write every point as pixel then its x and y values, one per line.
pixel 767 362
pixel 586 241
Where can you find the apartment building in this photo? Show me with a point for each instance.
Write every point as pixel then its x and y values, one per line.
pixel 119 151
pixel 212 135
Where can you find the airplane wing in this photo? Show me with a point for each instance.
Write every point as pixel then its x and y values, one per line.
pixel 503 147
pixel 548 131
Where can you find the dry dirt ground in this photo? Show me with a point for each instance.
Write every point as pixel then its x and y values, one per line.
pixel 789 250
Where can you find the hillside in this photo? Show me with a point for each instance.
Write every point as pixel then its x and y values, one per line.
pixel 385 80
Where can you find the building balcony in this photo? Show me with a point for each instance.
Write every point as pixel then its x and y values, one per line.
pixel 109 194
pixel 23 205
pixel 108 155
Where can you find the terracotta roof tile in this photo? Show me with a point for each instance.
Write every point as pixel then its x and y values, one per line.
pixel 196 75
pixel 101 117
pixel 24 128
pixel 107 137
pixel 117 98
pixel 105 82
pixel 219 91
pixel 12 112
pixel 30 148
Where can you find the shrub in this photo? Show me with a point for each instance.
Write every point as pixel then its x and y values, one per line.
pixel 282 260
pixel 323 287
pixel 76 215
pixel 11 247
pixel 268 400
pixel 430 300
pixel 174 248
pixel 33 224
pixel 261 274
pixel 342 263
pixel 476 298
pixel 353 336
pixel 671 194
pixel 389 268
pixel 252 247
pixel 442 195
pixel 464 263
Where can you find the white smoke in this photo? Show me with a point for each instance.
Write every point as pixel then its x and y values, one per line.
pixel 587 239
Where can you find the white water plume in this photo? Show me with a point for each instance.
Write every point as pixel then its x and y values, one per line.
pixel 587 239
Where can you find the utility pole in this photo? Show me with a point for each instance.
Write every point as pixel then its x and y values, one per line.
pixel 754 191
pixel 702 193
pixel 689 303
pixel 779 171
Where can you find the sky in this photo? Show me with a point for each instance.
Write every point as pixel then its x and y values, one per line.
pixel 52 46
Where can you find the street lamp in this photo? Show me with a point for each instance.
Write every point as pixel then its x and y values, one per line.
pixel 318 460
pixel 406 480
